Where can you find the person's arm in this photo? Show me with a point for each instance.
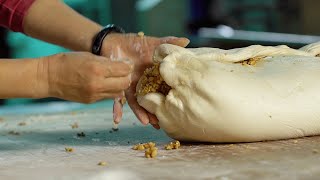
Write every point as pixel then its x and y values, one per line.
pixel 23 78
pixel 80 77
pixel 53 21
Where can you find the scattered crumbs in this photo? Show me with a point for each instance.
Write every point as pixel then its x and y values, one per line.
pixel 140 34
pixel 138 147
pixel 231 70
pixel 172 145
pixel 14 133
pixel 115 129
pixel 151 152
pixel 68 149
pixel 102 163
pixel 22 123
pixel 315 151
pixel 82 134
pixel 74 125
pixel 295 141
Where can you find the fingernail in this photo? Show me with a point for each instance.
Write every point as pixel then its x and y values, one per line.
pixel 156 126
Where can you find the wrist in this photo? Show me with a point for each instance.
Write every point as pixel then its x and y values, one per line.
pixel 107 42
pixel 42 79
pixel 111 46
pixel 100 37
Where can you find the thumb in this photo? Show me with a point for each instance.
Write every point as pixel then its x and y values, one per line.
pixel 165 50
pixel 182 42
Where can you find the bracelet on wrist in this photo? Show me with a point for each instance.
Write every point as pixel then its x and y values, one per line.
pixel 98 40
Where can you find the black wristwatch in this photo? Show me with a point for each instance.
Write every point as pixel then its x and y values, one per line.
pixel 98 40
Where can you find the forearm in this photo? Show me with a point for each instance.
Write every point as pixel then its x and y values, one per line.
pixel 53 21
pixel 22 78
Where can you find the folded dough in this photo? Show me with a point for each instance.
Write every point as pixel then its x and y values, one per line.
pixel 247 94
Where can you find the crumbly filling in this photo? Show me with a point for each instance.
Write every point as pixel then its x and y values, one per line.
pixel 152 81
pixel 251 61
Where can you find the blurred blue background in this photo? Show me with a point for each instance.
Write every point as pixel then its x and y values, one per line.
pixel 211 23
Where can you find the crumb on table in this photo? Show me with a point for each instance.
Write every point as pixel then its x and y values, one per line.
pixel 173 145
pixel 102 163
pixel 68 149
pixel 22 123
pixel 151 152
pixel 14 133
pixel 144 146
pixel 74 125
pixel 81 134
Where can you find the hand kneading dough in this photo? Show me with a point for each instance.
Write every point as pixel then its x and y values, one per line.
pixel 240 95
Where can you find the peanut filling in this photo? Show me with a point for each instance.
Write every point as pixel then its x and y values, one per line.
pixel 252 61
pixel 151 81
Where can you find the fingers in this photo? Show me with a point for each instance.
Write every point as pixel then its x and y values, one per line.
pixel 91 98
pixel 153 121
pixel 140 113
pixel 113 84
pixel 117 110
pixel 109 68
pixel 183 42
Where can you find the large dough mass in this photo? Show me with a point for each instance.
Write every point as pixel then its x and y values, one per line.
pixel 240 95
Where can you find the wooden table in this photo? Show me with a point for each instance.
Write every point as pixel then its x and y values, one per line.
pixel 33 147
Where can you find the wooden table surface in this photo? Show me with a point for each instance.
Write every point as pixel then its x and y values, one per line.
pixel 33 147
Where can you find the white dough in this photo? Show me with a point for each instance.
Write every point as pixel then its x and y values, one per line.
pixel 215 99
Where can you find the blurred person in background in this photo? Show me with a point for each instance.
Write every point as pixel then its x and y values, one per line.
pixel 79 76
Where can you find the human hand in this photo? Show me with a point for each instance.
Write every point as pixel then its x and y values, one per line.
pixel 140 50
pixel 86 78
